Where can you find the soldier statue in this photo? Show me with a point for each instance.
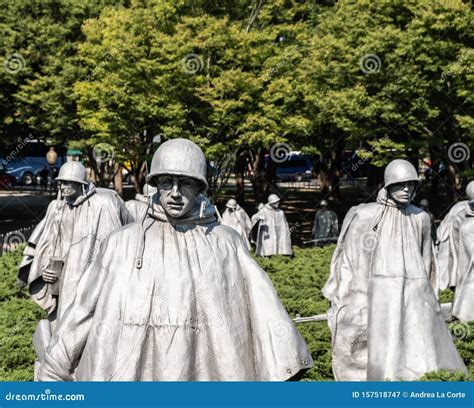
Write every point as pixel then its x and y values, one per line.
pixel 270 230
pixel 385 318
pixel 235 217
pixel 463 245
pixel 325 227
pixel 448 246
pixel 65 242
pixel 176 297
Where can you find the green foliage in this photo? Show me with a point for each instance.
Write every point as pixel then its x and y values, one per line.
pixel 18 319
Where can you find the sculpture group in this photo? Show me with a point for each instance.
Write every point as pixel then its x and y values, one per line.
pixel 163 288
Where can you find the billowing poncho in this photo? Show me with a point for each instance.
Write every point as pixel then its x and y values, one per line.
pixel 273 232
pixel 325 225
pixel 75 234
pixel 448 246
pixel 463 306
pixel 240 221
pixel 385 319
pixel 194 307
pixel 138 207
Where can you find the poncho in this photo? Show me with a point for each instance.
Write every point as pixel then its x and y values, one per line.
pixel 273 233
pixel 448 246
pixel 138 207
pixel 186 303
pixel 240 221
pixel 385 319
pixel 463 305
pixel 74 233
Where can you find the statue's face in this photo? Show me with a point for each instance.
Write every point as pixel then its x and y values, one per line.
pixel 177 195
pixel 402 193
pixel 70 189
pixel 275 205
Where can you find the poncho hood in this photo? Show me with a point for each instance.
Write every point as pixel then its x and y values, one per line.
pixel 194 217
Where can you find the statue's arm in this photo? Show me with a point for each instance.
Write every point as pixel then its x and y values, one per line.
pixel 68 342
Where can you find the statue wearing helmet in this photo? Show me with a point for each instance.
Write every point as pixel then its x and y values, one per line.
pixel 235 217
pixel 65 242
pixel 455 254
pixel 325 227
pixel 270 230
pixel 385 318
pixel 181 296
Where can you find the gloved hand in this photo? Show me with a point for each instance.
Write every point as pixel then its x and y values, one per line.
pixel 50 276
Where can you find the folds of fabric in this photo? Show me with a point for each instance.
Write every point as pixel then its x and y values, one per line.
pixel 274 237
pixel 138 207
pixel 463 305
pixel 199 309
pixel 74 234
pixel 240 221
pixel 385 319
pixel 447 255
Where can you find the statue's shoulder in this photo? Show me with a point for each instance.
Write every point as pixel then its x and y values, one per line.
pixel 364 210
pixel 105 196
pixel 125 232
pixel 225 232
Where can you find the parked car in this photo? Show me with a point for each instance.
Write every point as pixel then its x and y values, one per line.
pixel 6 180
pixel 28 166
pixel 298 167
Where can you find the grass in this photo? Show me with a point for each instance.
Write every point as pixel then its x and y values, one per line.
pixel 298 281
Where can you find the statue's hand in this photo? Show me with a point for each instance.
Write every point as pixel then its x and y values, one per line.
pixel 50 276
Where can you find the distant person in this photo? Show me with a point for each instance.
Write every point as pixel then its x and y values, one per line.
pixel 385 319
pixel 325 227
pixel 139 206
pixel 235 217
pixel 271 230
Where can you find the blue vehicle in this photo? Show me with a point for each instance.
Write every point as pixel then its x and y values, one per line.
pixel 297 167
pixel 30 163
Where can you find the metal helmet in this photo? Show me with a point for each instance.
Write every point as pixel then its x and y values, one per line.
pixel 73 171
pixel 231 204
pixel 273 198
pixel 149 190
pixel 324 203
pixel 424 203
pixel 179 157
pixel 399 171
pixel 470 191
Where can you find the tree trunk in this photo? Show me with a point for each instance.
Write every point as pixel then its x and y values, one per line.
pixel 258 180
pixel 324 180
pixel 240 167
pixel 118 182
